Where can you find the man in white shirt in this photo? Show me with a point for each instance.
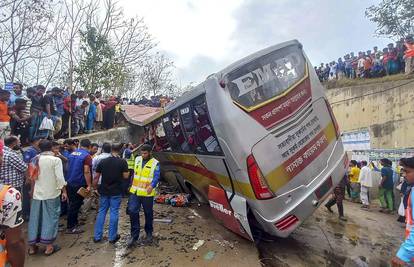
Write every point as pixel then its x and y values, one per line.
pixel 106 153
pixel 49 189
pixel 365 179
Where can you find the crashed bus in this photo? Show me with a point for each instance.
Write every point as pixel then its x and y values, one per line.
pixel 257 141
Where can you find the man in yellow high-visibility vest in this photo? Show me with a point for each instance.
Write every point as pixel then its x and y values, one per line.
pixel 142 192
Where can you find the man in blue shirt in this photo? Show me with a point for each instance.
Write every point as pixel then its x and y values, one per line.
pixel 32 151
pixel 78 175
pixel 16 93
pixel 386 186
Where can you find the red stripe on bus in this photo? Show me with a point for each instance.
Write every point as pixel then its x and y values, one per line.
pixel 283 107
pixel 196 169
pixel 301 159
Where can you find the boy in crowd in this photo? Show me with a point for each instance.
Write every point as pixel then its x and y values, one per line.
pixel 79 118
pixel 4 114
pixel 20 123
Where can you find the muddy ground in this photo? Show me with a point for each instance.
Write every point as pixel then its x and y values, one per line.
pixel 368 238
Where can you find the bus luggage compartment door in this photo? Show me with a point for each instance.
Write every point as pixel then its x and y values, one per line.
pixel 231 213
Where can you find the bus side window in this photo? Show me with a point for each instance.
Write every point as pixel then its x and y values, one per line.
pixel 178 133
pixel 188 127
pixel 170 133
pixel 206 138
pixel 161 142
pixel 148 137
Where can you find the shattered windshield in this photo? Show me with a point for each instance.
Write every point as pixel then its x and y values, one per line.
pixel 267 76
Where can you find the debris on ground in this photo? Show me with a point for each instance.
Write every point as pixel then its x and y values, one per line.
pixel 198 244
pixel 210 255
pixel 224 243
pixel 164 220
pixel 175 200
pixel 165 188
pixel 195 213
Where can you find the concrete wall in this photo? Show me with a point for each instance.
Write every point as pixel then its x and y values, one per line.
pixel 116 135
pixel 386 109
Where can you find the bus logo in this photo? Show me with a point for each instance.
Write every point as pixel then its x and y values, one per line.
pixel 219 207
pixel 282 69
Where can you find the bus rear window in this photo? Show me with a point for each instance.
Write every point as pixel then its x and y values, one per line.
pixel 266 77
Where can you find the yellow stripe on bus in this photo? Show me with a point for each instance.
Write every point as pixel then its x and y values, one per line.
pixel 279 177
pixel 202 182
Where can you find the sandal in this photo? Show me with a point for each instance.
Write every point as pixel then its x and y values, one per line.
pixel 32 252
pixel 56 248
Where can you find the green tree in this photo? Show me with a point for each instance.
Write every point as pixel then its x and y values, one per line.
pixel 99 69
pixel 394 18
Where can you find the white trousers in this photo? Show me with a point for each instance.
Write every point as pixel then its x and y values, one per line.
pixel 364 195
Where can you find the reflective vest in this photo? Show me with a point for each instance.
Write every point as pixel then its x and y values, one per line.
pixel 131 162
pixel 3 252
pixel 408 217
pixel 143 177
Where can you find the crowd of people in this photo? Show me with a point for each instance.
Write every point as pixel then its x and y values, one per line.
pixel 359 182
pixel 55 113
pixel 51 179
pixel 393 59
pixel 394 186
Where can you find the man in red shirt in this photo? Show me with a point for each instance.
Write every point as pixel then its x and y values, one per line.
pixel 409 55
pixel 67 108
pixel 4 113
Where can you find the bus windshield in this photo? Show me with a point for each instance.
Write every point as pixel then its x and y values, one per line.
pixel 266 77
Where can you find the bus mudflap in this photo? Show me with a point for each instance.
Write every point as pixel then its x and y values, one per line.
pixel 231 213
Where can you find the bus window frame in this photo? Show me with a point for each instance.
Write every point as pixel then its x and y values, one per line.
pixel 196 129
pixel 169 115
pixel 156 138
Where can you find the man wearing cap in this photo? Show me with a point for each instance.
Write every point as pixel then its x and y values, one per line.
pixel 405 254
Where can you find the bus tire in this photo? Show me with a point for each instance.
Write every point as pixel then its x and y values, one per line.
pixel 259 234
pixel 196 193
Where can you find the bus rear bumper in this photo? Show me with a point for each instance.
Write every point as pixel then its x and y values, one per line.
pixel 284 224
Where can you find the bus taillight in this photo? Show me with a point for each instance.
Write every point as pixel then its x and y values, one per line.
pixel 260 187
pixel 338 133
pixel 286 223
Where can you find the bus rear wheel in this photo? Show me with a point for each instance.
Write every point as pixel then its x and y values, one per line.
pixel 196 193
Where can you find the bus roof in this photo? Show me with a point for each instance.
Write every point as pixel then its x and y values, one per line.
pixel 196 91
pixel 260 53
pixel 200 89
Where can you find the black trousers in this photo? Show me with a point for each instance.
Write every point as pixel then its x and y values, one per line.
pixel 339 193
pixel 75 203
pixel 134 205
pixel 26 201
pixel 65 124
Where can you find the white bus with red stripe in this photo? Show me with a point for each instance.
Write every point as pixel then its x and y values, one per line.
pixel 277 151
